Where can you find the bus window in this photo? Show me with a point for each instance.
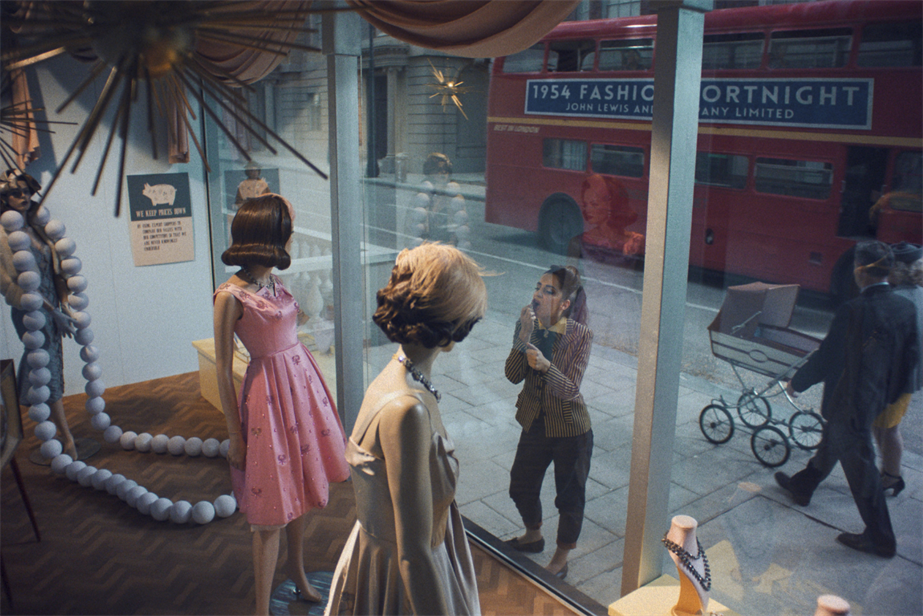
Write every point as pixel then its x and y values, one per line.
pixel 907 185
pixel 810 48
pixel 627 55
pixel 569 56
pixel 891 44
pixel 728 170
pixel 527 61
pixel 794 178
pixel 724 51
pixel 617 160
pixel 564 154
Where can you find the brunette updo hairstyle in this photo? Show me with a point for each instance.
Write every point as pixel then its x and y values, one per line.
pixel 435 296
pixel 568 279
pixel 13 179
pixel 259 232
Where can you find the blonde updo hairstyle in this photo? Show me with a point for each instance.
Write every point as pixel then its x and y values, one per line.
pixel 435 296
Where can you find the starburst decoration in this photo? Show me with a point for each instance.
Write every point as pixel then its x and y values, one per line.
pixel 448 89
pixel 154 44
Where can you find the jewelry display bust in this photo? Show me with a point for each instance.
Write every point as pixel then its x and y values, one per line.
pixel 831 605
pixel 694 574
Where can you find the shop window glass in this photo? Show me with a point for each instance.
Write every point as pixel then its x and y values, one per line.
pixel 626 55
pixel 794 178
pixel 570 56
pixel 527 61
pixel 732 51
pixel 726 170
pixel 564 154
pixel 810 48
pixel 617 160
pixel 891 44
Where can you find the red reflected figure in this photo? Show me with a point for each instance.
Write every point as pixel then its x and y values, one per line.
pixel 607 215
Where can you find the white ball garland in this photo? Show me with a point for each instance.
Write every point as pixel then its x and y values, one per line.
pixel 30 279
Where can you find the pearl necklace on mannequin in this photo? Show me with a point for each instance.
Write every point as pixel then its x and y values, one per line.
pixel 29 279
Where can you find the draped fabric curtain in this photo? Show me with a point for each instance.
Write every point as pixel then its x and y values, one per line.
pixel 469 28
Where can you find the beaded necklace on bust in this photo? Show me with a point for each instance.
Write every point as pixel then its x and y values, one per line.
pixel 418 376
pixel 246 275
pixel 686 559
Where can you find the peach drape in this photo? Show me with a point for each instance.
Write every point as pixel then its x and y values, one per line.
pixel 469 28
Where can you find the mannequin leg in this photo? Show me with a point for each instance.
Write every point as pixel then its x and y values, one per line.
pixel 265 557
pixel 60 420
pixel 294 562
pixel 891 446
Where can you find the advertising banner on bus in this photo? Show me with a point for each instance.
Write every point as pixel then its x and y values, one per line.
pixel 813 103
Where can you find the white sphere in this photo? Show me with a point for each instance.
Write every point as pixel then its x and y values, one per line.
pixel 84 336
pixel 127 440
pixel 73 468
pixel 41 216
pixel 113 483
pixel 95 387
pixel 45 430
pixel 95 405
pixel 23 260
pixel 39 412
pixel 55 229
pixel 100 478
pixel 224 447
pixel 145 501
pixel 160 509
pixel 177 446
pixel 37 395
pixel 89 353
pixel 193 447
pixel 85 476
pixel 77 284
pixel 29 281
pixel 11 220
pixel 180 512
pixel 100 421
pixel 203 512
pixel 38 358
pixel 210 447
pixel 122 490
pixel 65 247
pixel 39 376
pixel 225 505
pixel 71 266
pixel 143 442
pixel 60 463
pixel 34 320
pixel 78 301
pixel 112 434
pixel 51 449
pixel 19 240
pixel 134 494
pixel 82 320
pixel 33 340
pixel 160 443
pixel 91 371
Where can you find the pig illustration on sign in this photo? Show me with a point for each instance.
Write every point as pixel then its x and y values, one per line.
pixel 159 194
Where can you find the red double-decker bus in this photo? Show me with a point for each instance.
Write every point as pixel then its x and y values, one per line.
pixel 810 126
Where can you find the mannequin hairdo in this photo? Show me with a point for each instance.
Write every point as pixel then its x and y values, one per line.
pixel 260 231
pixel 434 297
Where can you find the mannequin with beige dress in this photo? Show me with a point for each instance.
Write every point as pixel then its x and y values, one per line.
pixel 692 565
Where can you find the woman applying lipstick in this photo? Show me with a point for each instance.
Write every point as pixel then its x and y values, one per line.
pixel 551 348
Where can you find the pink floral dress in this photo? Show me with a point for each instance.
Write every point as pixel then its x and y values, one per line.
pixel 295 441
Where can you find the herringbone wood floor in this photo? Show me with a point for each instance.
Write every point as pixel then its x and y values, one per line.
pixel 98 556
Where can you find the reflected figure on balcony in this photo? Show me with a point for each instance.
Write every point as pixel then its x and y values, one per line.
pixel 551 350
pixel 286 440
pixel 439 213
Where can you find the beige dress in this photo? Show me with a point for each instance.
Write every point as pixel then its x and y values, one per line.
pixel 367 578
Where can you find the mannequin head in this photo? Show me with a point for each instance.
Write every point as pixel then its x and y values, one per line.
pixel 872 263
pixel 438 169
pixel 16 191
pixel 434 297
pixel 908 265
pixel 260 233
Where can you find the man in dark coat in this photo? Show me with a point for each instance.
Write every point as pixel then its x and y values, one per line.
pixel 865 363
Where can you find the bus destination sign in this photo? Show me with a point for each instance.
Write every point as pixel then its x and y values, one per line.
pixel 813 103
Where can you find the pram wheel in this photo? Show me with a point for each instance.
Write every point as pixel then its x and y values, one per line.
pixel 770 446
pixel 753 409
pixel 716 424
pixel 806 428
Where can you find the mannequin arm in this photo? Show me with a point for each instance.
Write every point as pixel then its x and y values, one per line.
pixel 227 311
pixel 405 436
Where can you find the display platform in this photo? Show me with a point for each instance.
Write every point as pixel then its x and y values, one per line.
pixel 658 599
pixel 208 376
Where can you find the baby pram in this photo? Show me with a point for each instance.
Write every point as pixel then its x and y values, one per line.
pixel 751 332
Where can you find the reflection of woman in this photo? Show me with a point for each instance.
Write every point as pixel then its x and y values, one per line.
pixel 607 215
pixel 907 278
pixel 439 212
pixel 408 553
pixel 16 190
pixel 286 441
pixel 551 349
